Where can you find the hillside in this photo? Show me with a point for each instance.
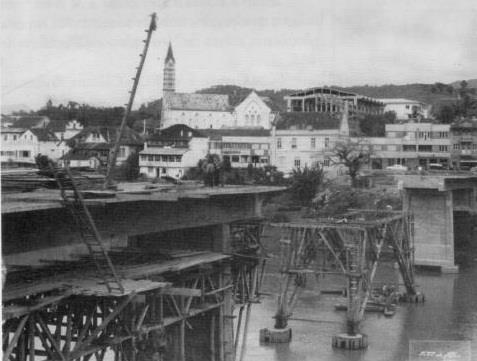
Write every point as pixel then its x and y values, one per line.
pixel 437 93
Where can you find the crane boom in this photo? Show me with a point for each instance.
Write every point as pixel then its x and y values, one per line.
pixel 114 152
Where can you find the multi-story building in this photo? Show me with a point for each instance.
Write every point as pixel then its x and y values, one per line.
pixel 241 147
pixel 329 100
pixel 213 111
pixel 464 143
pixel 406 109
pixel 21 146
pixel 413 145
pixel 172 152
pixel 178 148
pixel 306 139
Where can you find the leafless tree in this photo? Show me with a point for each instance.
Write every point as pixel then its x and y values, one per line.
pixel 352 154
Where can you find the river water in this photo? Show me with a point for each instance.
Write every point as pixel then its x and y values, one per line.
pixel 449 313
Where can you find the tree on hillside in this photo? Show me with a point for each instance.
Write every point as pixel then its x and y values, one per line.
pixel 353 155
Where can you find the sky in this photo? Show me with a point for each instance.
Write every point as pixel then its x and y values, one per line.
pixel 87 50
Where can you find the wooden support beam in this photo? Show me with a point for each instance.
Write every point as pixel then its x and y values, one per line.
pixel 14 340
pixel 108 319
pixel 49 336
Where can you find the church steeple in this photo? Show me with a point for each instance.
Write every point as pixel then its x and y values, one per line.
pixel 169 84
pixel 170 55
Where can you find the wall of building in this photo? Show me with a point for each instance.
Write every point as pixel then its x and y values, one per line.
pixel 198 119
pixel 293 149
pixel 252 112
pixel 25 147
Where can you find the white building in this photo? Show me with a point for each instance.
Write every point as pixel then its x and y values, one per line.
pixel 406 109
pixel 242 147
pixel 413 145
pixel 209 111
pixel 179 148
pixel 22 146
pixel 173 152
pixel 304 139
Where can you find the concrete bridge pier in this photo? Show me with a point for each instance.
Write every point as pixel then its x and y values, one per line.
pixel 434 201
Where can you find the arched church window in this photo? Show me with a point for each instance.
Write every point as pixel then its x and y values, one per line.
pixel 246 117
pixel 258 118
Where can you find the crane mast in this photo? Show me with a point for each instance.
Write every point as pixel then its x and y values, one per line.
pixel 114 152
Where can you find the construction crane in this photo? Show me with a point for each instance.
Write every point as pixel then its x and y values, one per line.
pixel 114 152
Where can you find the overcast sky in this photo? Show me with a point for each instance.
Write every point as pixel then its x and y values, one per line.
pixel 87 50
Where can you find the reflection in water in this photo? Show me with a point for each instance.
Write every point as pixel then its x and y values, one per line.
pixel 450 313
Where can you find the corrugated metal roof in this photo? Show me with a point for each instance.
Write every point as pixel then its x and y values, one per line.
pixel 164 151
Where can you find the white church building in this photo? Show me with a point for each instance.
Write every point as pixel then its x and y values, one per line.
pixel 209 111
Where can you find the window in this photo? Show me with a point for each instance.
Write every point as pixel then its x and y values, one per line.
pixel 246 118
pixel 122 152
pixel 293 143
pixel 143 157
pixel 5 137
pixel 327 142
pixel 443 134
pixel 14 137
pixel 443 148
pixel 258 118
pixel 326 163
pixel 297 162
pixel 409 148
pixel 407 106
pixel 150 158
pixel 279 143
pixel 425 148
pixel 313 143
pixel 235 159
pixel 456 146
pixel 25 153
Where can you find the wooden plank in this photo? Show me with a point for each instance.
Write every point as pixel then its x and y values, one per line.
pixel 13 311
pixel 181 291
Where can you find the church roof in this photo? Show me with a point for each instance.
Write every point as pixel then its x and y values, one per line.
pixel 170 54
pixel 194 101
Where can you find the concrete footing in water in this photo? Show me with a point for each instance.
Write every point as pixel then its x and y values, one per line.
pixel 275 335
pixel 350 342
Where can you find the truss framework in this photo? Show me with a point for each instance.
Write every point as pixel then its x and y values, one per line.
pixel 351 247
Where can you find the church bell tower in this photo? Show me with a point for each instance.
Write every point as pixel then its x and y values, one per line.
pixel 169 84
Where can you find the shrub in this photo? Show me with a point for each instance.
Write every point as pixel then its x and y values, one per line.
pixel 306 183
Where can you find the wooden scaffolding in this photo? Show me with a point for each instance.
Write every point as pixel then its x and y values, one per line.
pixel 350 246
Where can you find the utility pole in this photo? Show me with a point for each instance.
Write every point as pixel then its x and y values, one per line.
pixel 114 153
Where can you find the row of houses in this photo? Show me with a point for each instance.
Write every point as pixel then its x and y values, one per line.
pixel 26 137
pixel 295 140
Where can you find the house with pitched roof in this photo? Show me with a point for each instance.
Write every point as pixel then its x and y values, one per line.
pixel 97 141
pixel 21 146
